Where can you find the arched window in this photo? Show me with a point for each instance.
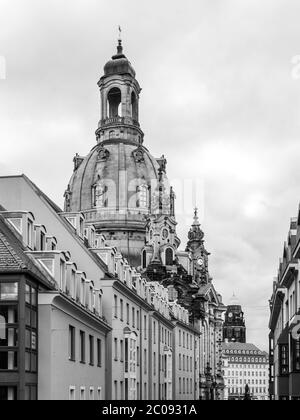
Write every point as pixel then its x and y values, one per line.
pixel 142 196
pixel 134 107
pixel 114 100
pixel 99 195
pixel 169 256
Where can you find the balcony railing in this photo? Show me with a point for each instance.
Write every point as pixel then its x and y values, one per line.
pixel 118 121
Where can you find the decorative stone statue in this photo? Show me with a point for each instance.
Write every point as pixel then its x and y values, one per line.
pixel 138 155
pixel 103 154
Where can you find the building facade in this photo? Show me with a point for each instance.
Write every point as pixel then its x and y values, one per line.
pixel 244 365
pixel 285 320
pixel 50 315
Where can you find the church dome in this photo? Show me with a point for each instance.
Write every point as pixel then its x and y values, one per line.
pixel 118 185
pixel 109 162
pixel 119 64
pixel 114 187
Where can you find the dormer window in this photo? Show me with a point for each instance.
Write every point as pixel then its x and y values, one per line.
pixel 29 233
pixel 43 241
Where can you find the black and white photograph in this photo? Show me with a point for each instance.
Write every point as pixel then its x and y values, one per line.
pixel 149 203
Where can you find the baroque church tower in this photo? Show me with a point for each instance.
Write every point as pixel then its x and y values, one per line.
pixel 119 184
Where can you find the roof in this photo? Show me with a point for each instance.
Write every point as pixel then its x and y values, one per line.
pixel 241 346
pixel 13 257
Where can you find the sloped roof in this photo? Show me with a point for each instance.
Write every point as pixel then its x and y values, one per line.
pixel 9 259
pixel 241 346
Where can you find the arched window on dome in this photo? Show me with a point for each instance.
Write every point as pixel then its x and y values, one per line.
pixel 134 107
pixel 99 195
pixel 142 197
pixel 169 256
pixel 114 103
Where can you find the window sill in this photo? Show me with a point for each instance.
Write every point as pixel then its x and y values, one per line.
pixel 72 360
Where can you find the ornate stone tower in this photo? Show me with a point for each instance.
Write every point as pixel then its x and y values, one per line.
pixel 115 185
pixel 234 329
pixel 199 254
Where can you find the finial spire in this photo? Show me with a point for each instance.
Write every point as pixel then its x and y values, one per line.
pixel 120 47
pixel 196 219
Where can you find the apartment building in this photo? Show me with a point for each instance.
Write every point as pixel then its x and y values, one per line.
pixel 285 321
pixel 48 306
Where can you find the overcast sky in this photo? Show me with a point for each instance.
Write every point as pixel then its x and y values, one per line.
pixel 221 99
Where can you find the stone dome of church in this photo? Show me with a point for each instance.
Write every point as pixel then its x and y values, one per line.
pixel 107 164
pixel 119 184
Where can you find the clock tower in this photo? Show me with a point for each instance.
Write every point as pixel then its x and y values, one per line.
pixel 234 329
pixel 198 252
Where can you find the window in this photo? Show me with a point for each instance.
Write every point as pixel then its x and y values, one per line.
pixel 133 318
pixel 99 393
pixel 91 341
pixel 144 258
pixel 92 394
pixel 142 197
pixel 145 327
pixel 29 233
pixel 72 354
pixel 169 256
pixel 72 393
pixel 127 313
pixel 121 310
pixel 82 347
pixel 116 390
pixel 284 359
pixel 8 291
pixel 99 352
pixel 121 351
pixel 82 393
pixel 296 355
pixel 116 348
pixel 138 320
pixel 145 362
pixel 116 306
pixel 99 194
pixel 114 102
